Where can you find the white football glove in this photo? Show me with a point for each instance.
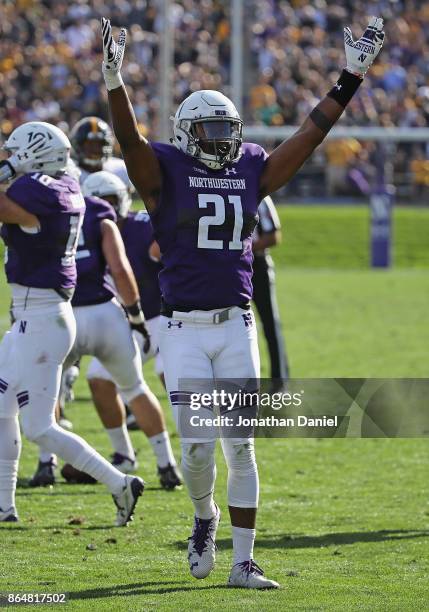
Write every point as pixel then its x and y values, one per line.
pixel 362 53
pixel 113 54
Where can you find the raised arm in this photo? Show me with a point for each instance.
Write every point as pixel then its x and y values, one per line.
pixel 287 158
pixel 142 165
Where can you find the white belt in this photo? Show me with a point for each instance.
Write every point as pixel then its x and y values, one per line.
pixel 209 316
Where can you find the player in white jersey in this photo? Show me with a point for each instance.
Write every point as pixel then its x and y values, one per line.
pixel 42 213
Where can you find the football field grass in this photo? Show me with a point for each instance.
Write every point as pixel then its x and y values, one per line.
pixel 343 524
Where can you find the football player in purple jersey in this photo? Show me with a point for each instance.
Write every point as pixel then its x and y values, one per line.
pixel 137 234
pixel 202 193
pixel 103 270
pixel 92 149
pixel 42 213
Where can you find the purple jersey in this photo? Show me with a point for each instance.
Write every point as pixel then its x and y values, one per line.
pixel 137 233
pixel 93 283
pixel 203 224
pixel 45 257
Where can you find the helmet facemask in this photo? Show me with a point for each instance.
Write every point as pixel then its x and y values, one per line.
pixel 95 151
pixel 215 142
pixel 92 142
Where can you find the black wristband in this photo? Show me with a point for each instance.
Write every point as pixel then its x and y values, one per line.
pixel 345 88
pixel 320 120
pixel 135 313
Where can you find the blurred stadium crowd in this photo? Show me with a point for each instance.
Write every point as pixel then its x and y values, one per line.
pixel 50 69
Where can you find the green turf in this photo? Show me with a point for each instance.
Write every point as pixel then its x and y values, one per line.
pixel 343 524
pixel 338 236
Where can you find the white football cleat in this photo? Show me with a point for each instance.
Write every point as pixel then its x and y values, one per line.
pixel 248 575
pixel 127 500
pixel 8 516
pixel 202 546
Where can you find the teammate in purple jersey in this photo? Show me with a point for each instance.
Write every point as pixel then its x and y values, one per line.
pixel 42 213
pixel 94 285
pixel 100 254
pixel 202 193
pixel 138 236
pixel 92 141
pixel 137 232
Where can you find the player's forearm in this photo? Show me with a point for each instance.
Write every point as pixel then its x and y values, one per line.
pixel 123 119
pixel 126 285
pixel 325 115
pixel 287 158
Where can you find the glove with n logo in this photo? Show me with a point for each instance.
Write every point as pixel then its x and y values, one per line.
pixel 113 54
pixel 361 53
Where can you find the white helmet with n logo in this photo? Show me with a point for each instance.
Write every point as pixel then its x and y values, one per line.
pixel 37 146
pixel 208 127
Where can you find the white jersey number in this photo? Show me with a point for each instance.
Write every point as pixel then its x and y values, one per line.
pixel 204 242
pixel 71 246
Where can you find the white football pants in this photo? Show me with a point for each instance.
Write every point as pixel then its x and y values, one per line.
pixel 103 331
pixel 33 351
pixel 97 370
pixel 31 359
pixel 194 346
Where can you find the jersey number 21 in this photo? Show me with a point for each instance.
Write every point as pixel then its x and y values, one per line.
pixel 204 242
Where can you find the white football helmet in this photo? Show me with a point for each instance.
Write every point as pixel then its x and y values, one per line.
pixel 208 127
pixel 37 146
pixel 104 184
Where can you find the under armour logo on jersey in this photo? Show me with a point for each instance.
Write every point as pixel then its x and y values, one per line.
pixel 362 57
pixel 338 87
pixel 22 327
pixel 248 319
pixel 229 171
pixel 178 324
